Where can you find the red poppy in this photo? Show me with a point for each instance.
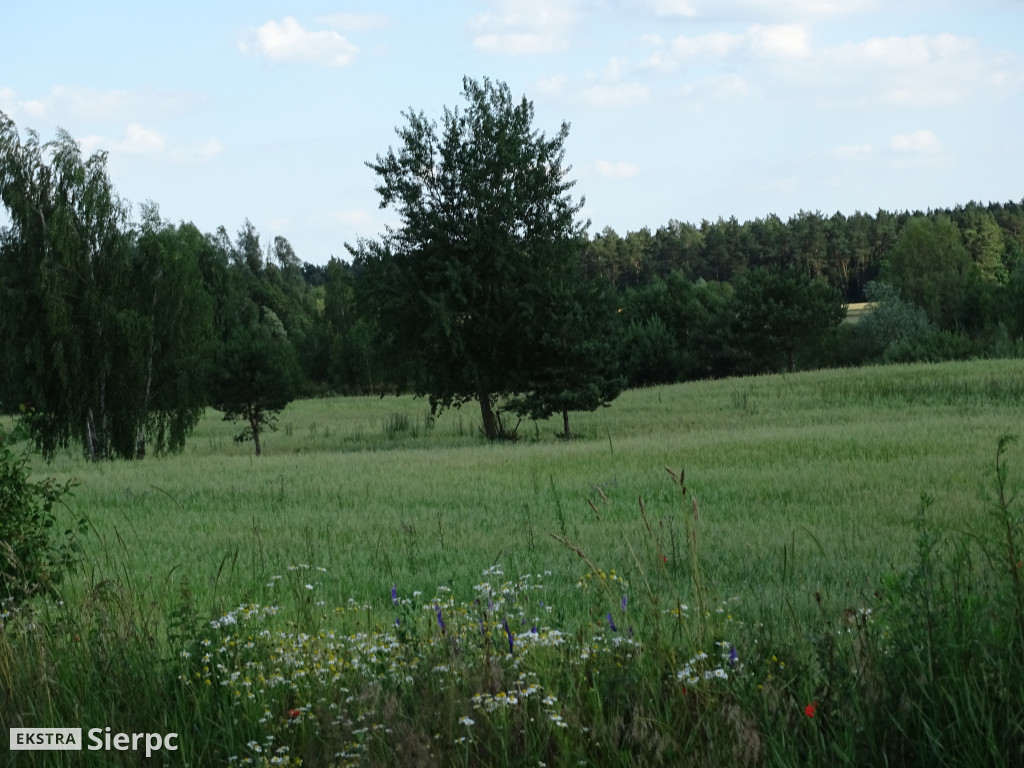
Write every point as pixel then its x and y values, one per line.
pixel 293 713
pixel 811 708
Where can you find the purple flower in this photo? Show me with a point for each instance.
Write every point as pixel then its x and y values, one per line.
pixel 733 657
pixel 612 624
pixel 511 641
pixel 394 594
pixel 623 603
pixel 440 620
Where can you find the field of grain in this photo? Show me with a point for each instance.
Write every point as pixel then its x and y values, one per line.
pixel 805 483
pixel 782 570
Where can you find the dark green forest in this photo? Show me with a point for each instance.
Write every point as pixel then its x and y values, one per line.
pixel 118 327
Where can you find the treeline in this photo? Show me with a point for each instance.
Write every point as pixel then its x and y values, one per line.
pixel 117 331
pixel 730 298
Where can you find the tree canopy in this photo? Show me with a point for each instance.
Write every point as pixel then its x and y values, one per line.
pixel 464 287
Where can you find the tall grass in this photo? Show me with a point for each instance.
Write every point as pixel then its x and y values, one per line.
pixel 424 599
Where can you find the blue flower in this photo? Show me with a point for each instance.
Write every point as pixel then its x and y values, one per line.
pixel 612 624
pixel 394 594
pixel 733 657
pixel 511 641
pixel 440 620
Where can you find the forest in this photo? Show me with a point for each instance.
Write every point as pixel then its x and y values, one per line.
pixel 118 328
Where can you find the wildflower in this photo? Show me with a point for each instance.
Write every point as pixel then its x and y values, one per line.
pixel 733 657
pixel 440 620
pixel 811 708
pixel 623 603
pixel 293 713
pixel 510 637
pixel 394 594
pixel 467 721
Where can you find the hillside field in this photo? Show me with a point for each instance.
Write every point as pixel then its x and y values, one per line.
pixel 804 483
pixel 837 584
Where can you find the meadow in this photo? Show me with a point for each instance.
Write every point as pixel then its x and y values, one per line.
pixel 638 590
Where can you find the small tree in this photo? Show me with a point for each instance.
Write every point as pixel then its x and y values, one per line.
pixel 576 366
pixel 256 377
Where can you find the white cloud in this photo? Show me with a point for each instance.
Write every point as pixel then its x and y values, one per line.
pixel 198 153
pixel 775 42
pixel 288 40
pixel 780 41
pixel 355 22
pixel 523 27
pixel 141 141
pixel 683 8
pixel 68 104
pixel 722 87
pixel 137 140
pixel 781 60
pixel 353 218
pixel 627 94
pixel 915 71
pixel 616 170
pixel 552 86
pixel 921 142
pixel 748 10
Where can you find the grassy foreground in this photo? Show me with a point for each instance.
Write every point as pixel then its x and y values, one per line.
pixel 382 588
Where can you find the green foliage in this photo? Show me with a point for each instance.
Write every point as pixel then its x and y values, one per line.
pixel 930 268
pixel 110 322
pixel 34 558
pixel 256 376
pixel 782 315
pixel 897 331
pixel 464 288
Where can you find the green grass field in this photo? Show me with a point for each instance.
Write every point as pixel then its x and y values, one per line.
pixel 807 490
pixel 804 483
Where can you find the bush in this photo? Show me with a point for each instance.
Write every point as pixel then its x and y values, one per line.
pixel 32 559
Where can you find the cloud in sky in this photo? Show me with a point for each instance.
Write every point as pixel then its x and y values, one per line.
pixel 355 22
pixel 897 71
pixel 757 9
pixel 525 27
pixel 288 40
pixel 141 141
pixel 923 142
pixel 72 103
pixel 913 71
pixel 616 170
pixel 920 148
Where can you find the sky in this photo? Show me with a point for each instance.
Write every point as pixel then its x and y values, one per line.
pixel 222 111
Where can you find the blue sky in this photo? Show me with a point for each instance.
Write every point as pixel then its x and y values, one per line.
pixel 679 109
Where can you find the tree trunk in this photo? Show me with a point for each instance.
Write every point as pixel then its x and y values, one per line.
pixel 90 435
pixel 490 421
pixel 565 424
pixel 254 425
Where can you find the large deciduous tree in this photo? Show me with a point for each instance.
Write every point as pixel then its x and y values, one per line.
pixel 111 321
pixel 466 285
pixel 96 315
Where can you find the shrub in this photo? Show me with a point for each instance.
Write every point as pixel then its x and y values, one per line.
pixel 32 558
